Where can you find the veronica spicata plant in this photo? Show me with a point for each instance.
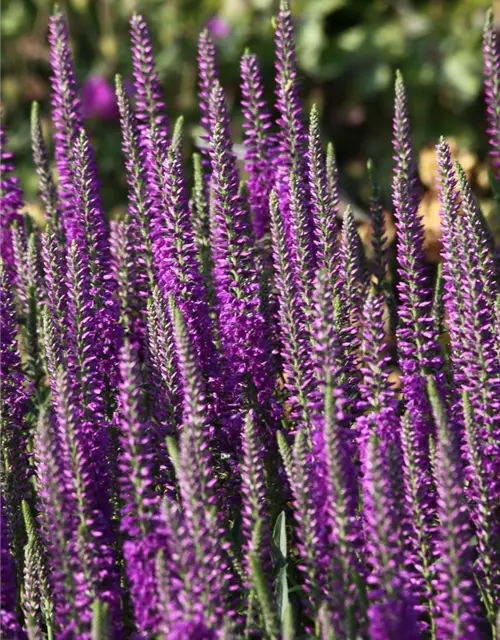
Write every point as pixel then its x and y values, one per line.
pixel 200 435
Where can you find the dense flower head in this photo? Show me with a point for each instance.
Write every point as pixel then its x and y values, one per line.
pixel 259 143
pixel 208 430
pixel 150 107
pixel 491 51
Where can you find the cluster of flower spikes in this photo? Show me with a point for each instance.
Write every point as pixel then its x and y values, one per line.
pixel 200 437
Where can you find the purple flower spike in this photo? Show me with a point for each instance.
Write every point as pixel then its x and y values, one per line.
pixel 67 118
pixel 241 323
pixel 311 532
pixel 417 339
pixel 328 356
pixel 352 288
pixel 293 136
pixel 200 212
pixel 140 511
pixel 479 233
pixel 92 535
pixel 14 409
pixel 163 362
pixel 255 507
pixel 58 526
pixel 84 369
pixel 215 582
pixel 491 51
pixel 91 233
pixel 416 333
pixel 452 266
pixel 392 612
pixel 259 143
pixel 10 625
pixel 323 209
pixel 47 187
pixel 421 528
pixel 483 506
pixel 291 175
pixel 294 336
pixel 11 202
pixel 54 267
pixel 456 597
pixel 375 386
pixel 481 343
pixel 150 106
pixel 208 76
pixel 139 223
pixel 341 504
pixel 176 259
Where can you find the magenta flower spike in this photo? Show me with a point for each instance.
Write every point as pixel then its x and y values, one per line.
pixel 92 535
pixel 68 121
pixel 417 340
pixel 141 503
pixel 453 274
pixel 416 333
pixel 456 597
pixel 58 526
pixel 138 244
pixel 340 514
pixel 352 288
pixel 241 323
pixel 215 582
pixel 291 176
pixel 47 187
pixel 91 234
pixel 11 203
pixel 255 502
pixel 85 377
pixel 10 623
pixel 16 469
pixel 176 260
pixel 150 106
pixel 375 387
pixel 294 335
pixel 482 510
pixel 292 136
pixel 324 208
pixel 392 610
pixel 208 76
pixel 491 51
pixel 259 143
pixel 310 529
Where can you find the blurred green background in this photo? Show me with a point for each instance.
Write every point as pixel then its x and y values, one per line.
pixel 348 51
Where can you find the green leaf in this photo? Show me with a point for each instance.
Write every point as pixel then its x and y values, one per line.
pixel 287 624
pixel 279 550
pixel 100 620
pixel 282 598
pixel 279 537
pixel 261 587
pixel 286 454
pixel 173 452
